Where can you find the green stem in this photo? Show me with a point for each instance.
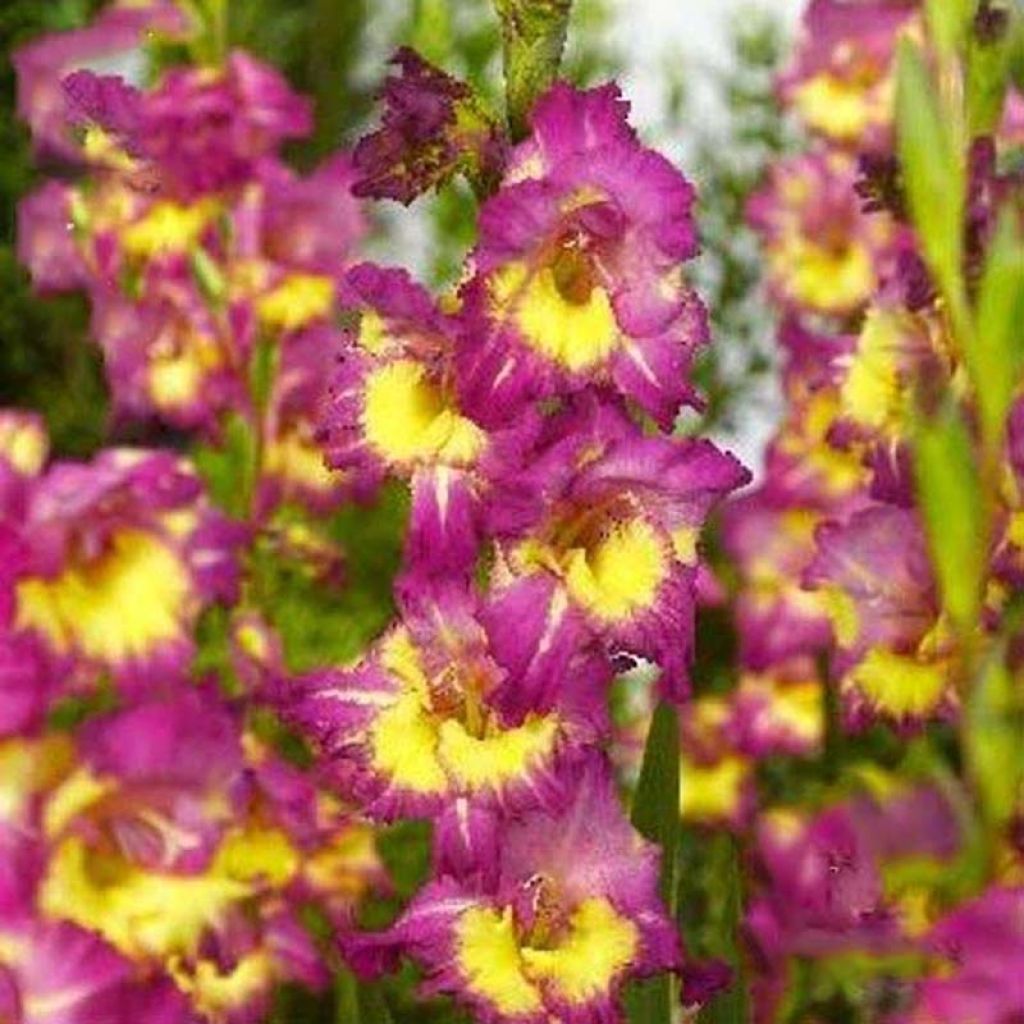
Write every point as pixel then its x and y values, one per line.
pixel 724 857
pixel 210 44
pixel 655 815
pixel 832 727
pixel 261 382
pixel 533 37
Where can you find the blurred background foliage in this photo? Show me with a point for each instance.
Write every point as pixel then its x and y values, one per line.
pixel 46 362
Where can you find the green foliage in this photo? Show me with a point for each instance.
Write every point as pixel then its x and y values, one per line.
pixel 656 816
pixel 995 741
pixel 46 363
pixel 987 76
pixel 950 496
pixel 934 170
pixel 322 625
pixel 947 22
pixel 533 36
pixel 722 930
pixel 227 467
pixel 995 355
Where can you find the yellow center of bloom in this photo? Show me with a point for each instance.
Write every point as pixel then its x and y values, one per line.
pixel 214 992
pixel 561 316
pixel 478 762
pixel 843 108
pixel 23 444
pixel 148 912
pixel 710 793
pixel 142 913
pixel 406 419
pixel 827 278
pixel 583 964
pixel 797 708
pixel 296 301
pixel 404 744
pixel 123 604
pixel 597 946
pixel 166 228
pixel 871 393
pixel 621 573
pixel 489 957
pixel 176 374
pixel 294 457
pixel 899 684
pixel 427 750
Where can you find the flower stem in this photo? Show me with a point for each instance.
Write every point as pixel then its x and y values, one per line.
pixel 533 37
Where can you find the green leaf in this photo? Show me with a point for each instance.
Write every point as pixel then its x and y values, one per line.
pixel 995 742
pixel 227 468
pixel 948 22
pixel 995 356
pixel 949 492
pixel 533 37
pixel 208 276
pixel 731 1005
pixel 373 1005
pixel 933 169
pixel 432 34
pixel 346 998
pixel 262 371
pixel 656 816
pixel 986 79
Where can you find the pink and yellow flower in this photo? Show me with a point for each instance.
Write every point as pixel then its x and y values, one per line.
pixel 603 523
pixel 780 711
pixel 113 561
pixel 191 849
pixel 895 651
pixel 552 930
pixel 577 276
pixel 394 411
pixel 841 80
pixel 433 716
pixel 824 254
pixel 716 778
pixel 771 539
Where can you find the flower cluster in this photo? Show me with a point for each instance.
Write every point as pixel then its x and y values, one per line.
pixel 160 850
pixel 164 856
pixel 552 537
pixel 197 245
pixel 187 795
pixel 342 668
pixel 835 550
